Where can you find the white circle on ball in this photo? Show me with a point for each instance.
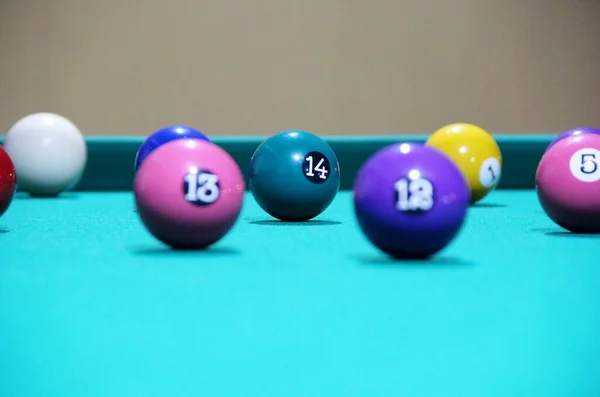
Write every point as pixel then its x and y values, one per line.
pixel 48 151
pixel 585 164
pixel 490 172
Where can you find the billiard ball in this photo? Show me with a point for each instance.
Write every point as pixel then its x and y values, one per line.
pixel 410 200
pixel 49 153
pixel 573 132
pixel 164 135
pixel 476 154
pixel 8 181
pixel 294 175
pixel 568 183
pixel 189 193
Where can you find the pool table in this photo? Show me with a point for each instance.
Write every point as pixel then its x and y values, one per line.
pixel 92 305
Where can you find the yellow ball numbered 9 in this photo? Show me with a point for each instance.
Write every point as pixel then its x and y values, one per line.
pixel 475 152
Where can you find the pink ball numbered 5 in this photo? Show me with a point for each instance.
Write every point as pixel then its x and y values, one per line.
pixel 189 193
pixel 568 183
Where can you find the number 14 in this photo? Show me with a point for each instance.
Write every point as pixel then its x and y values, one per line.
pixel 319 168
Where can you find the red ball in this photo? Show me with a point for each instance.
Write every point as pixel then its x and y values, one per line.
pixel 568 183
pixel 8 181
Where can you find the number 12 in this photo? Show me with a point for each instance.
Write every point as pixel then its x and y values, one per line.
pixel 414 195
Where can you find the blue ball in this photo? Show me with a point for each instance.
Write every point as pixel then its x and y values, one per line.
pixel 163 136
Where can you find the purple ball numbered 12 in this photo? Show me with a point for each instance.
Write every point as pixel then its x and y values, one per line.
pixel 410 200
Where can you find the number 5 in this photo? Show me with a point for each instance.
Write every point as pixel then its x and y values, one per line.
pixel 588 159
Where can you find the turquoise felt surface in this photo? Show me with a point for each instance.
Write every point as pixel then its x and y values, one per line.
pixel 91 305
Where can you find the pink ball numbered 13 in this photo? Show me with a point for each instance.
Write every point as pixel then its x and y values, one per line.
pixel 189 193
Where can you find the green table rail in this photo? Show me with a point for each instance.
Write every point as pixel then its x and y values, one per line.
pixel 111 159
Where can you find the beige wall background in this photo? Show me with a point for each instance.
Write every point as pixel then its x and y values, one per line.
pixel 241 67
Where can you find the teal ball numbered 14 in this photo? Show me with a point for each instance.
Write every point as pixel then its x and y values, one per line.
pixel 294 175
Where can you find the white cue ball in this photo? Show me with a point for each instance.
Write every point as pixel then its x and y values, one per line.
pixel 49 153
